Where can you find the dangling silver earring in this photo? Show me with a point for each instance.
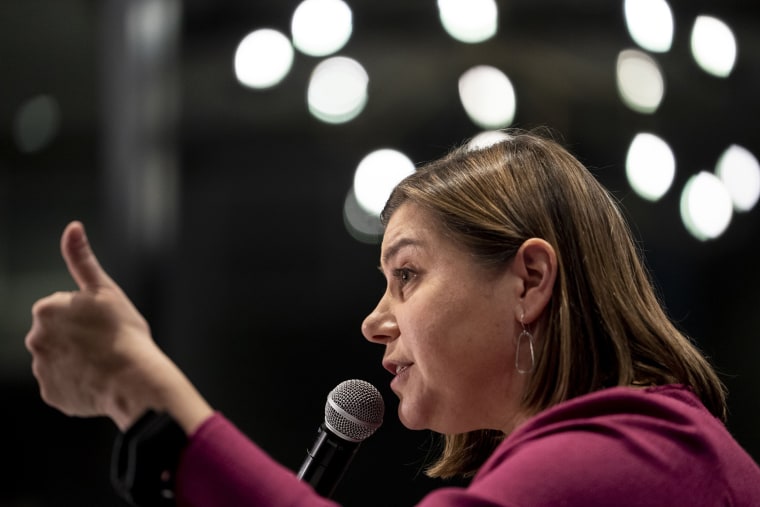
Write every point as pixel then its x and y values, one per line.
pixel 524 334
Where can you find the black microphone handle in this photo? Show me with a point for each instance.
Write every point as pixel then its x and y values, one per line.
pixel 327 461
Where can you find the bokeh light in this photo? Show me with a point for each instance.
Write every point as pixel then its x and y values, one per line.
pixel 263 58
pixel 321 27
pixel 650 166
pixel 713 46
pixel 376 176
pixel 469 21
pixel 361 225
pixel 739 170
pixel 639 81
pixel 36 123
pixel 337 90
pixel 488 97
pixel 650 24
pixel 706 207
pixel 486 139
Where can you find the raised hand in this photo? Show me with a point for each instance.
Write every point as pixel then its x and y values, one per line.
pixel 93 354
pixel 85 343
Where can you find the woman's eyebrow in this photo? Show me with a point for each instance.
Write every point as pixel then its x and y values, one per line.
pixel 394 248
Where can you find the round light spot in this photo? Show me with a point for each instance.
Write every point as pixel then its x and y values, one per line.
pixel 321 27
pixel 713 46
pixel 705 206
pixel 650 166
pixel 650 23
pixel 263 58
pixel 337 90
pixel 639 81
pixel 376 176
pixel 36 123
pixel 739 170
pixel 488 97
pixel 469 21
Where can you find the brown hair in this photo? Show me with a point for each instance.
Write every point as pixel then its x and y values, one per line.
pixel 604 325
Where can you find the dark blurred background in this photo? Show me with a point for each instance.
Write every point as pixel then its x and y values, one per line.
pixel 219 208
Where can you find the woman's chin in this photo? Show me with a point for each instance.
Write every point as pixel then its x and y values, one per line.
pixel 409 419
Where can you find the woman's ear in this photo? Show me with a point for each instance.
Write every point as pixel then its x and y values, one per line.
pixel 536 265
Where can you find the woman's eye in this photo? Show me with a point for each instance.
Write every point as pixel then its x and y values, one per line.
pixel 403 275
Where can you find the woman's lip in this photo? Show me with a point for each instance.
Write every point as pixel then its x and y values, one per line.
pixel 399 378
pixel 396 368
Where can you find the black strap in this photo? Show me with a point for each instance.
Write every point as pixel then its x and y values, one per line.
pixel 144 460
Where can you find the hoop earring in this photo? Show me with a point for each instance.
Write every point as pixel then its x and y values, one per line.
pixel 524 333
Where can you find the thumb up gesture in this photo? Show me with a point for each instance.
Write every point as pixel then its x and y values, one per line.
pixel 91 349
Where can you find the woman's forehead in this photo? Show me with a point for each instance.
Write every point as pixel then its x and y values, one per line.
pixel 409 225
pixel 414 226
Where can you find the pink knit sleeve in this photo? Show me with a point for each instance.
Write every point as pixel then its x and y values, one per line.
pixel 221 467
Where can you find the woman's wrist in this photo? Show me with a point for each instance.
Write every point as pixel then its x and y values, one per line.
pixel 186 405
pixel 155 383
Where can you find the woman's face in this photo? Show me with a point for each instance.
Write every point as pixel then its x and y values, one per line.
pixel 448 325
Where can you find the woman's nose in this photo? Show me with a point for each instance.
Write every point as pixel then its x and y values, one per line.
pixel 380 326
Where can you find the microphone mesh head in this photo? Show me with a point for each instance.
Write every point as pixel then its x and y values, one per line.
pixel 354 410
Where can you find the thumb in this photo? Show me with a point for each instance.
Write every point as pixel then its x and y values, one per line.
pixel 81 261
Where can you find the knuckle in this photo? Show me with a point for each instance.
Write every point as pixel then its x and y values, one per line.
pixel 31 342
pixel 48 307
pixel 45 307
pixel 36 344
pixel 39 308
pixel 34 341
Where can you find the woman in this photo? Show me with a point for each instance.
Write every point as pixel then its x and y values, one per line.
pixel 517 321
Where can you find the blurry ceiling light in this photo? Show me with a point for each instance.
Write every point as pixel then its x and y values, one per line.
pixel 739 170
pixel 321 27
pixel 361 225
pixel 150 24
pixel 650 166
pixel 486 139
pixel 469 21
pixel 376 176
pixel 650 23
pixel 36 123
pixel 713 46
pixel 263 58
pixel 639 81
pixel 488 97
pixel 705 206
pixel 337 90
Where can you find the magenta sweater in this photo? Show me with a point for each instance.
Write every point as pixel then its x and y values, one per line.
pixel 620 446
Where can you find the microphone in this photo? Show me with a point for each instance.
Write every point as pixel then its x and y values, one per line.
pixel 354 410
